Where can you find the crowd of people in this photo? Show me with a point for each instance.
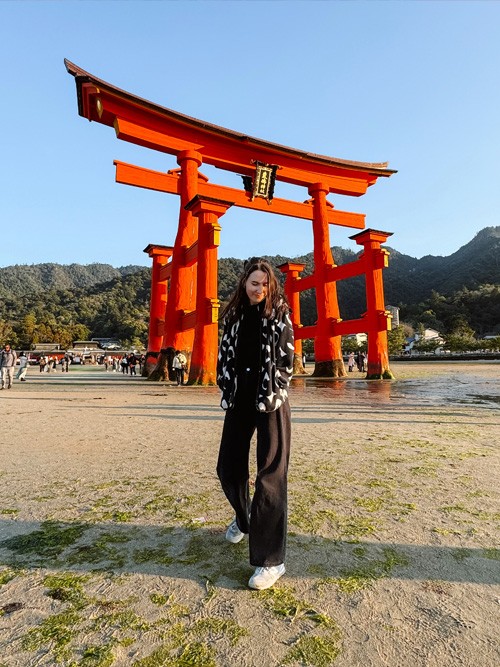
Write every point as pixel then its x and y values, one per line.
pixel 359 360
pixel 128 364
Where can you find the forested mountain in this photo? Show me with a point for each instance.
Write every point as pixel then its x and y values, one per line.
pixel 408 280
pixel 24 279
pixel 59 303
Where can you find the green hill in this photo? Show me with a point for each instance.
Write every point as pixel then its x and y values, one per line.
pixel 58 303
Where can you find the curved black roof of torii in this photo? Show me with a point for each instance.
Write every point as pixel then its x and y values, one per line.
pixel 376 169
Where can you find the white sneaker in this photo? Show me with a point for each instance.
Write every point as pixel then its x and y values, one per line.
pixel 233 533
pixel 265 577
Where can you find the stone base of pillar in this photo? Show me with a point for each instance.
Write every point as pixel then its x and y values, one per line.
pixel 161 371
pixel 329 369
pixel 298 366
pixel 149 364
pixel 202 381
pixel 376 372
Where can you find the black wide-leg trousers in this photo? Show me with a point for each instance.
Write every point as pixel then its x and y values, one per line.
pixel 264 517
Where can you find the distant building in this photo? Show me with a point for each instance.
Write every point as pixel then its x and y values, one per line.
pixel 46 347
pixel 86 345
pixel 107 343
pixel 428 335
pixel 360 338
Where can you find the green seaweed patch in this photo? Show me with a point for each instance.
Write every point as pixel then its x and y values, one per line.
pixel 54 635
pixel 305 518
pixel 356 526
pixel 173 607
pixel 461 554
pixel 194 654
pixel 9 511
pixel 118 516
pixel 283 602
pixel 105 501
pixel 67 587
pixel 8 574
pixel 314 651
pixel 359 552
pixel 153 555
pixel 101 550
pixel 204 551
pixel 179 509
pixel 492 554
pixel 473 454
pixel 375 482
pixel 370 504
pixel 98 656
pixel 48 542
pixel 477 494
pixel 216 628
pixel 121 620
pixel 478 514
pixel 402 509
pixel 358 578
pixel 428 470
pixel 107 485
pixel 446 531
pixel 200 549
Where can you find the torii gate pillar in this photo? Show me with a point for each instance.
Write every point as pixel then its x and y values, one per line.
pixel 182 294
pixel 203 367
pixel 292 271
pixel 160 275
pixel 375 259
pixel 327 348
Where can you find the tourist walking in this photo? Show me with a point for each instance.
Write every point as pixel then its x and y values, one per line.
pixel 132 362
pixel 254 368
pixel 124 364
pixel 23 367
pixel 179 364
pixel 360 361
pixel 66 360
pixel 8 360
pixel 350 362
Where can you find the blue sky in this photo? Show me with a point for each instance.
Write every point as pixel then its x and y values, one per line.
pixel 416 84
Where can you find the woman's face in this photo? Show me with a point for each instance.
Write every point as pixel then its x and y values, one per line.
pixel 257 287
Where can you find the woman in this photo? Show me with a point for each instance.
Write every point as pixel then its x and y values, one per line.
pixel 254 368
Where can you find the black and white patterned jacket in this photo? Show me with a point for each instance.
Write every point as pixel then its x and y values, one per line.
pixel 276 367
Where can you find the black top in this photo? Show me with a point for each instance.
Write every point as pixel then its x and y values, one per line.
pixel 248 350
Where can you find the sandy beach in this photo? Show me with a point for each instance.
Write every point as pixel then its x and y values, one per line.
pixel 112 523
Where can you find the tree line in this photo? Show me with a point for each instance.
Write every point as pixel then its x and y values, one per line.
pixel 120 309
pixel 458 296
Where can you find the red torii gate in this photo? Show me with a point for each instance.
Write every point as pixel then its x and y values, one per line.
pixel 184 304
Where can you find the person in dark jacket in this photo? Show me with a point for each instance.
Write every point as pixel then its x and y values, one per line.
pixel 254 368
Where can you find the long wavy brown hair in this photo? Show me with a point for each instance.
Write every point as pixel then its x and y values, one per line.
pixel 275 299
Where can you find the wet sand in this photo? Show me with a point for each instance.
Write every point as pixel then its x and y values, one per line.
pixel 112 522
